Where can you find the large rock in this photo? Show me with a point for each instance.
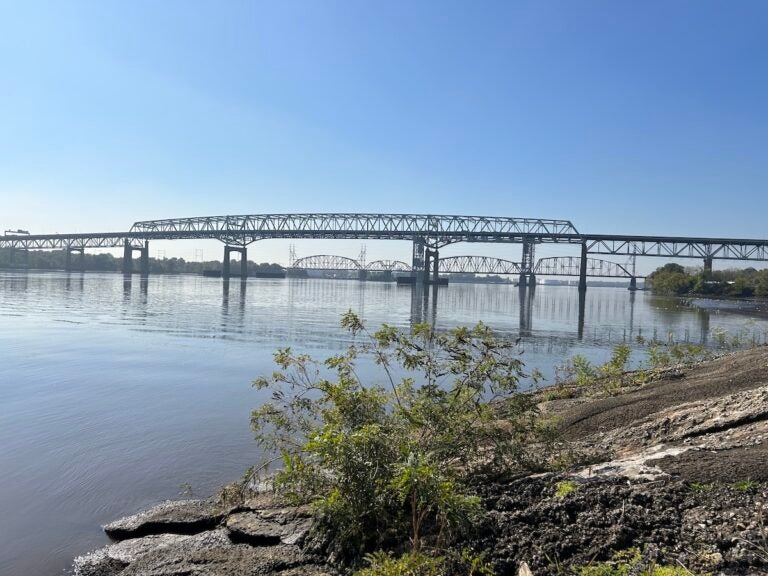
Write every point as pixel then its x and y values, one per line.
pixel 112 559
pixel 191 559
pixel 269 527
pixel 172 517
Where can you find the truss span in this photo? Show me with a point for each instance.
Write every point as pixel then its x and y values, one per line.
pixel 436 229
pixel 326 262
pixel 477 265
pixel 388 266
pixel 570 266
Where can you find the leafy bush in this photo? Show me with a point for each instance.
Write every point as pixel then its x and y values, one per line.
pixel 418 564
pixel 700 487
pixel 746 486
pixel 380 460
pixel 630 563
pixel 565 487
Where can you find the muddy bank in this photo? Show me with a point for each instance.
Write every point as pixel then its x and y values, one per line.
pixel 677 468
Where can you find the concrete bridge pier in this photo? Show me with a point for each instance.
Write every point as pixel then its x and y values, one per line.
pixel 144 259
pixel 708 268
pixel 633 284
pixel 528 263
pixel 80 259
pixel 243 251
pixel 417 261
pixel 143 251
pixel 431 267
pixel 127 258
pixel 582 311
pixel 583 268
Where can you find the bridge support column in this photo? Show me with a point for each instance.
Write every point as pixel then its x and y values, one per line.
pixel 417 261
pixel 143 251
pixel 527 276
pixel 144 259
pixel 583 268
pixel 633 284
pixel 582 313
pixel 708 268
pixel 435 267
pixel 226 268
pixel 80 259
pixel 427 266
pixel 127 258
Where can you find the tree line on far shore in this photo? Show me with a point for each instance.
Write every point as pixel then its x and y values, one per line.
pixel 675 280
pixel 105 262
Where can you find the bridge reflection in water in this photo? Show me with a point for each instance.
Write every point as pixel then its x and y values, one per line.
pixel 553 322
pixel 542 313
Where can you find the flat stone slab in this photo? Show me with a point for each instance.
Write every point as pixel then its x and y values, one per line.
pixel 268 527
pixel 189 559
pixel 111 560
pixel 171 517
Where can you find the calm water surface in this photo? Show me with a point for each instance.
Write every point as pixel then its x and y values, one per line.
pixel 114 393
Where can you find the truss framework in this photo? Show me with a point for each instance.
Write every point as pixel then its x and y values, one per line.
pixel 570 266
pixel 388 266
pixel 478 265
pixel 326 262
pixel 433 231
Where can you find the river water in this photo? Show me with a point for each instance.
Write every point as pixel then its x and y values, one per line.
pixel 114 393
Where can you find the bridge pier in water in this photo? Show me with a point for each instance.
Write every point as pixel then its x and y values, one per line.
pixel 243 251
pixel 128 250
pixel 708 268
pixel 583 268
pixel 431 267
pixel 528 263
pixel 80 259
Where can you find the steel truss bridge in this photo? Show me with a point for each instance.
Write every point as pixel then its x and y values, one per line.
pixel 552 266
pixel 331 262
pixel 428 233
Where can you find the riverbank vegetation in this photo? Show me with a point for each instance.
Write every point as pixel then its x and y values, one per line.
pixel 395 468
pixel 675 280
pixel 389 465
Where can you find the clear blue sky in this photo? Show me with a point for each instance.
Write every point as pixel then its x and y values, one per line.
pixel 625 117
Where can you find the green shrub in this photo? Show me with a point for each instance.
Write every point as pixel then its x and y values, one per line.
pixel 419 564
pixel 746 486
pixel 700 488
pixel 630 562
pixel 565 487
pixel 612 372
pixel 382 461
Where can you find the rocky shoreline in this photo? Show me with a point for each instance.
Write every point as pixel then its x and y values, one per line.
pixel 676 468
